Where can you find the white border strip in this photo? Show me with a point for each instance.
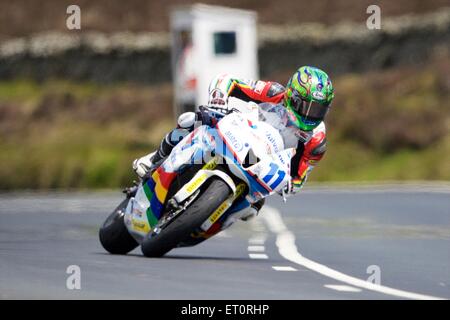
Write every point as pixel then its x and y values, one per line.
pixel 342 287
pixel 256 248
pixel 283 268
pixel 258 256
pixel 288 250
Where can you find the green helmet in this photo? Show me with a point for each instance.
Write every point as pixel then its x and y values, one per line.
pixel 308 97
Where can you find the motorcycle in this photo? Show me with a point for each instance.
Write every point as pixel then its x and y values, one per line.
pixel 203 185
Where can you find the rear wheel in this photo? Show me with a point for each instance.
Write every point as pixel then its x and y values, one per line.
pixel 114 235
pixel 156 245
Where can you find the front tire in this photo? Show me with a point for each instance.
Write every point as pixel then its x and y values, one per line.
pixel 157 245
pixel 114 235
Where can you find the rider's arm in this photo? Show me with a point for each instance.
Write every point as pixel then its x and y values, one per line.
pixel 225 85
pixel 307 157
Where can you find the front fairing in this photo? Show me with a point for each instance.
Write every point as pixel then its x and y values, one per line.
pixel 270 170
pixel 230 141
pixel 237 136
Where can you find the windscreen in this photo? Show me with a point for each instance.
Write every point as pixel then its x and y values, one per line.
pixel 278 117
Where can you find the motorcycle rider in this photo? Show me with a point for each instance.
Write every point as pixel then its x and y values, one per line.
pixel 307 99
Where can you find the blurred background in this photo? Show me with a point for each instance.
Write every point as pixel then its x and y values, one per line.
pixel 77 106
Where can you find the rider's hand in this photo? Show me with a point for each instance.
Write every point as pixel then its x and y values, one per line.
pixel 294 185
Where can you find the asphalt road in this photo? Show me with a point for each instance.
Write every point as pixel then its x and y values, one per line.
pixel 323 244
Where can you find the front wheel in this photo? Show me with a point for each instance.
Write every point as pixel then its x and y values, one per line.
pixel 114 235
pixel 156 245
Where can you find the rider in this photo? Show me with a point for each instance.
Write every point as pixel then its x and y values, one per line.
pixel 307 98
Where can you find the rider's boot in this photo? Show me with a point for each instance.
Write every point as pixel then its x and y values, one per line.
pixel 252 211
pixel 148 163
pixel 244 214
pixel 144 164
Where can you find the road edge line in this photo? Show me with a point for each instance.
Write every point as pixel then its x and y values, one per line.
pixel 285 241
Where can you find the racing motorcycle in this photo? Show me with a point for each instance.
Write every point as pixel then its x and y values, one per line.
pixel 203 185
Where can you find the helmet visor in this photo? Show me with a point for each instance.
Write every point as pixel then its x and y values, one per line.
pixel 310 110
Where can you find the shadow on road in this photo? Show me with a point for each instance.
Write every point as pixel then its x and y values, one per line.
pixel 177 257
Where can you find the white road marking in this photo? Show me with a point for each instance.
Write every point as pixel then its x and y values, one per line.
pixel 257 225
pixel 257 240
pixel 258 228
pixel 256 248
pixel 260 233
pixel 258 256
pixel 283 268
pixel 288 250
pixel 342 287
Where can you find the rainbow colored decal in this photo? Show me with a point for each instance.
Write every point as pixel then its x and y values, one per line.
pixel 156 191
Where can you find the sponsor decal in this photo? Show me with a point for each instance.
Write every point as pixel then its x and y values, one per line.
pixel 140 226
pixel 237 145
pixel 260 87
pixel 318 95
pixel 281 158
pixel 272 141
pixel 216 215
pixel 194 185
pixel 137 212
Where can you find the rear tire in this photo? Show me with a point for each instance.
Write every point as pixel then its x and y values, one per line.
pixel 157 245
pixel 114 235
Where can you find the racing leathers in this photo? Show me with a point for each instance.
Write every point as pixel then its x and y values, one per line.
pixel 310 148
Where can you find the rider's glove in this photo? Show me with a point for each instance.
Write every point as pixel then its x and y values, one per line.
pixel 205 117
pixel 294 185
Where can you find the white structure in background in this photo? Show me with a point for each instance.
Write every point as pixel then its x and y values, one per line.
pixel 208 40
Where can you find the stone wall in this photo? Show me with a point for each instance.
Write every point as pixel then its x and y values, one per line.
pixel 145 57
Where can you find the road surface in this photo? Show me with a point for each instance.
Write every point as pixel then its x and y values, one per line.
pixel 370 242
